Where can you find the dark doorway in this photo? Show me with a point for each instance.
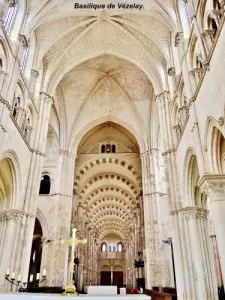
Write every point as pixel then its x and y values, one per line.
pixel 118 278
pixel 105 278
pixel 36 252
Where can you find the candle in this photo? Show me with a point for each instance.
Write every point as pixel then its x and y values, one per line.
pixel 31 278
pixel 38 276
pixel 7 272
pixel 19 278
pixel 44 272
pixel 62 241
pixel 13 275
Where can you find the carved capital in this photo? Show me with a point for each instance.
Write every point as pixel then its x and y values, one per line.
pixel 23 40
pixel 34 73
pixel 171 71
pixel 215 189
pixel 178 38
pixel 15 215
pixel 215 14
pixel 163 96
pixel 198 71
pixel 67 153
pixel 221 121
pixel 209 32
pixel 190 213
pixel 46 97
pixel 213 186
pixel 191 74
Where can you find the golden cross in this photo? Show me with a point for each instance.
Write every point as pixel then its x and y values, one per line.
pixel 73 242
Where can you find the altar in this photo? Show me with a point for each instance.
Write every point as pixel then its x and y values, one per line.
pixel 102 290
pixel 29 296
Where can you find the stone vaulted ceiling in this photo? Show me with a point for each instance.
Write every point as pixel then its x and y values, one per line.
pixel 108 186
pixel 103 65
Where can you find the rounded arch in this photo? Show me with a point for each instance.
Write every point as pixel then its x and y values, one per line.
pixel 191 177
pixel 4 55
pixel 44 224
pixel 45 184
pixel 20 93
pixel 76 139
pixel 193 52
pixel 213 144
pixel 13 180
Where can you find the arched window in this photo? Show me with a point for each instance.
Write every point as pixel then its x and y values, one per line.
pixel 45 185
pixel 113 149
pixel 103 149
pixel 16 106
pixel 104 248
pixel 216 4
pixel 24 57
pixel 120 247
pixel 199 62
pixel 9 16
pixel 189 12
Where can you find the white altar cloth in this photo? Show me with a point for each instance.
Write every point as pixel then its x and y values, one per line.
pixel 30 296
pixel 102 290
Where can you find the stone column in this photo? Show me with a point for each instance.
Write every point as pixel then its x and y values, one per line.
pixel 173 192
pixel 10 221
pixel 202 256
pixel 65 212
pixel 153 259
pixel 214 187
pixel 31 197
pixel 148 218
pixel 197 257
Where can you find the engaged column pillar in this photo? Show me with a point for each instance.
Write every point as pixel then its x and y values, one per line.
pixel 214 187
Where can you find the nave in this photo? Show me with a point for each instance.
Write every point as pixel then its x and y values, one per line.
pixel 112 122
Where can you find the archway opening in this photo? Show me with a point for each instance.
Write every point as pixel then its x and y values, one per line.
pixel 107 192
pixel 36 255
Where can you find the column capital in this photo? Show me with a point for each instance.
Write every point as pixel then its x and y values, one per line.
pixel 13 214
pixel 162 96
pixel 213 184
pixel 47 97
pixel 178 38
pixel 34 73
pixel 23 40
pixel 191 212
pixel 63 152
pixel 171 71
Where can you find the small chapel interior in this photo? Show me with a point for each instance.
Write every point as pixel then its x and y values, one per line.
pixel 112 149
